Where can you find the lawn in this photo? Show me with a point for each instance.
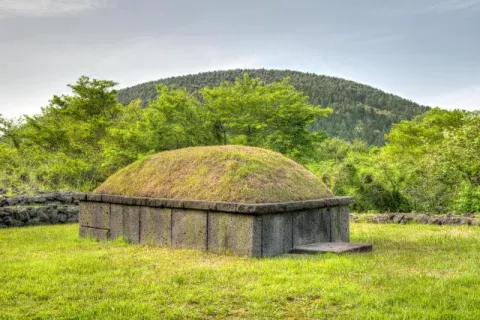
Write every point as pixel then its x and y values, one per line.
pixel 415 271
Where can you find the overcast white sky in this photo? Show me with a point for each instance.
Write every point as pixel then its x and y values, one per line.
pixel 426 51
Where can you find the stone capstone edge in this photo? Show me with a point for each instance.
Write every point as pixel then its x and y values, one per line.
pixel 212 206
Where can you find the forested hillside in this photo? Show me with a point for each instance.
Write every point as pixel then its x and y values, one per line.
pixel 428 164
pixel 360 111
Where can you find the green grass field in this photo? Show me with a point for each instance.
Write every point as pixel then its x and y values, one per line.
pixel 414 272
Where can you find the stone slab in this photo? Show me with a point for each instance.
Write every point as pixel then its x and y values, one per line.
pixel 277 237
pixel 189 229
pixel 233 233
pixel 155 226
pixel 335 231
pixel 85 214
pixel 99 234
pixel 116 221
pixel 131 223
pixel 344 218
pixel 241 208
pixel 100 215
pixel 333 247
pixel 311 226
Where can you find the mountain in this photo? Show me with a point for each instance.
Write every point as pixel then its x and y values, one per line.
pixel 360 111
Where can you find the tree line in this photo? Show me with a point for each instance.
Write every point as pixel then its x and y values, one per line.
pixel 428 164
pixel 360 111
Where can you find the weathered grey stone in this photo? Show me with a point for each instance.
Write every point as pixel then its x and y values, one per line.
pixel 270 208
pixel 311 226
pixel 111 198
pixel 116 221
pixel 72 211
pixel 277 237
pixel 131 223
pixel 12 201
pixel 99 234
pixel 226 206
pixel 398 217
pixel 38 199
pixel 245 208
pixel 252 229
pixel 84 232
pixel 140 201
pixel 43 217
pixel 160 203
pixel 151 202
pixel 53 217
pixel 189 229
pixel 85 216
pixel 234 233
pixel 155 226
pixel 344 213
pixel 177 204
pixel 80 196
pixel 67 199
pixel 335 231
pixel 313 204
pixel 33 222
pixel 94 197
pixel 32 213
pixel 10 221
pixel 421 218
pixel 333 247
pixel 199 205
pixel 100 215
pixel 22 215
pixel 294 206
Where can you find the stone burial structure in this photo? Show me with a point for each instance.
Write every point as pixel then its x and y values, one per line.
pixel 223 199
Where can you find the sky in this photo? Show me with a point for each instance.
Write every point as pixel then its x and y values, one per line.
pixel 423 50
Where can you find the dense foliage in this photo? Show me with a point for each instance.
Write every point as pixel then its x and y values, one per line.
pixel 360 111
pixel 429 164
pixel 80 139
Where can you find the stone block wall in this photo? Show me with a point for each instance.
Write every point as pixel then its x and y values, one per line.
pixel 256 230
pixel 49 208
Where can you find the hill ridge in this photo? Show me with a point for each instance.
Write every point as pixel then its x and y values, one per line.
pixel 360 111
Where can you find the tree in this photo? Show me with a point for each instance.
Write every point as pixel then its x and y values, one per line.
pixel 273 116
pixel 60 148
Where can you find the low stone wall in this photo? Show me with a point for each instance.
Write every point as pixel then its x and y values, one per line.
pixel 49 208
pixel 422 218
pixel 256 230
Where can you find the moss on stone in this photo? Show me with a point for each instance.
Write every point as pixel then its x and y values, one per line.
pixel 217 173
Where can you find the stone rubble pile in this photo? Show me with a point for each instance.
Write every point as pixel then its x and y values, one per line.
pixel 423 218
pixel 47 208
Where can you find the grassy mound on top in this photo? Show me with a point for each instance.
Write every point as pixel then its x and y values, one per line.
pixel 217 173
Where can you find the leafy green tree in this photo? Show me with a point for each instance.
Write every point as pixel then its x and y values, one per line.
pixel 177 119
pixel 60 148
pixel 273 116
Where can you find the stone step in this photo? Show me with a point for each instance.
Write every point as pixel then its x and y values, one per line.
pixel 334 247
